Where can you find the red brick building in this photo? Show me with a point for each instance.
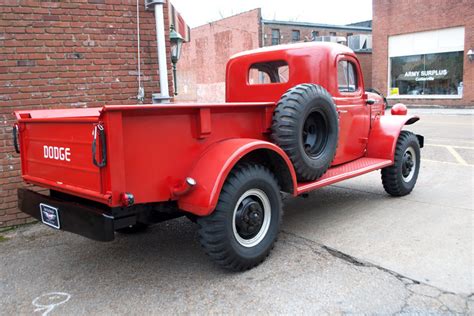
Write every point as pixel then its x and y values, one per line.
pixel 71 53
pixel 201 69
pixel 420 51
pixel 365 60
pixel 284 32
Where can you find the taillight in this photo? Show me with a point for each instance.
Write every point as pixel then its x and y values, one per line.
pixel 127 199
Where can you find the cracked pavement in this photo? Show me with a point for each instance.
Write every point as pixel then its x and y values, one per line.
pixel 348 248
pixel 165 272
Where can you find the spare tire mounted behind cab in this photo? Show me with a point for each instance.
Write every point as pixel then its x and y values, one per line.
pixel 306 126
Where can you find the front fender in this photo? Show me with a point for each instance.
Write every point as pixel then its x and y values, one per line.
pixel 384 135
pixel 213 167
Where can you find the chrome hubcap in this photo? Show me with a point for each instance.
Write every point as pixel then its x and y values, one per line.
pixel 251 218
pixel 408 164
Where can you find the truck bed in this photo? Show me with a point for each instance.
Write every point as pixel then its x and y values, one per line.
pixel 143 145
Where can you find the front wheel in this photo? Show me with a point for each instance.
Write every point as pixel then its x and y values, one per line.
pixel 400 178
pixel 242 230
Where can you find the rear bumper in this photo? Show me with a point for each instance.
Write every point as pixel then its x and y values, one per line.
pixel 76 218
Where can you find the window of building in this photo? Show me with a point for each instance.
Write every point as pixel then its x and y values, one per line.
pixel 427 64
pixel 346 76
pixel 427 74
pixel 275 36
pixel 268 72
pixel 350 34
pixel 332 34
pixel 314 34
pixel 295 35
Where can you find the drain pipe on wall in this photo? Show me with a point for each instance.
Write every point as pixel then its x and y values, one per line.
pixel 164 95
pixel 141 89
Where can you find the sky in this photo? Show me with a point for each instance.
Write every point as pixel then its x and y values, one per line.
pixel 197 13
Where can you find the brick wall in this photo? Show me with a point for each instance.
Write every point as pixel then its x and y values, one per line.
pixel 201 69
pixel 68 53
pixel 365 60
pixel 393 17
pixel 305 32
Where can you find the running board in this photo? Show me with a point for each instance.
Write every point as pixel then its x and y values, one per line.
pixel 345 171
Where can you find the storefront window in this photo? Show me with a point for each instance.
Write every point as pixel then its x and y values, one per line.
pixel 427 74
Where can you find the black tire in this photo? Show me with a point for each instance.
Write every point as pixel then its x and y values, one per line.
pixel 306 126
pixel 133 229
pixel 400 178
pixel 227 235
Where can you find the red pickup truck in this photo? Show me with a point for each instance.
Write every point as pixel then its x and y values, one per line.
pixel 296 118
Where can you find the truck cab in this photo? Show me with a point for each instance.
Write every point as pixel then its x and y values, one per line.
pixel 265 74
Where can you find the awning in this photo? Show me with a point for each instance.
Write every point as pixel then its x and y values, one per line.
pixel 179 24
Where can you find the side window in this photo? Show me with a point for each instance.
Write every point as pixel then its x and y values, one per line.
pixel 275 36
pixel 347 76
pixel 268 72
pixel 295 36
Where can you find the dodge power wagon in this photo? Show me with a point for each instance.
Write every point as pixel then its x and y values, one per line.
pixel 296 118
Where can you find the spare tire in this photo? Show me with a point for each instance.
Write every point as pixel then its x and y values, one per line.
pixel 306 126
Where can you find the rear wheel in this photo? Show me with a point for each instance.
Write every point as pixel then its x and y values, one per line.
pixel 400 178
pixel 242 230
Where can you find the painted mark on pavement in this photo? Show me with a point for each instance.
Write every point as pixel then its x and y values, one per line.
pixel 47 302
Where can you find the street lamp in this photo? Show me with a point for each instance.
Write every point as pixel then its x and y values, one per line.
pixel 470 55
pixel 176 43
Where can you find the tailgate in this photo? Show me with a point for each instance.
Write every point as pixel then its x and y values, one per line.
pixel 56 151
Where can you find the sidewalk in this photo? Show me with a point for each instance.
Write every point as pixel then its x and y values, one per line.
pixel 436 110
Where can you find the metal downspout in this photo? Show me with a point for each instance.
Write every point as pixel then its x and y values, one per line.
pixel 164 95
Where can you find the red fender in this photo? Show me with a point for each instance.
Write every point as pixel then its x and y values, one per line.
pixel 213 167
pixel 384 135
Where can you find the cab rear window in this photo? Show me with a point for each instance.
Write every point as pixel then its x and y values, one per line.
pixel 268 73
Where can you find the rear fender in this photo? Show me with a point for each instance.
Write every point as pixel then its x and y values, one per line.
pixel 215 164
pixel 384 135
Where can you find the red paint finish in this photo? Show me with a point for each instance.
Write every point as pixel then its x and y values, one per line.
pixel 345 171
pixel 384 134
pixel 152 149
pixel 52 153
pixel 354 118
pixel 399 109
pixel 321 62
pixel 214 165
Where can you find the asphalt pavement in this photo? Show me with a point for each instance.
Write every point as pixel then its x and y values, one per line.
pixel 347 248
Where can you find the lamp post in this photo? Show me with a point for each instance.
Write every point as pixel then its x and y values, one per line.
pixel 176 43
